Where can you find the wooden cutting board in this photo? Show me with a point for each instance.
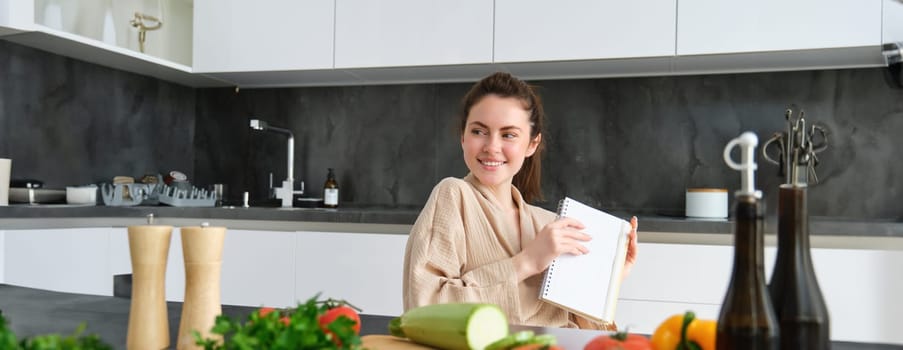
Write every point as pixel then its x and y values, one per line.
pixel 388 342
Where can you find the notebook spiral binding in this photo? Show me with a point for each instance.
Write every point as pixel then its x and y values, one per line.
pixel 562 210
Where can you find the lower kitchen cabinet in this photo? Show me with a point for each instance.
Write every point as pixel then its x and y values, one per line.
pixel 66 260
pixel 674 278
pixel 257 268
pixel 363 268
pixel 860 287
pixel 3 256
pixel 280 268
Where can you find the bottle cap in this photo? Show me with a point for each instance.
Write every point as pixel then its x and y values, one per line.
pixel 747 166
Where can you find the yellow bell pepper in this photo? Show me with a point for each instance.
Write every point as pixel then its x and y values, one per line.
pixel 685 332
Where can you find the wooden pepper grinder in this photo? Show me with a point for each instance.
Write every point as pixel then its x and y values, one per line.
pixel 148 321
pixel 202 247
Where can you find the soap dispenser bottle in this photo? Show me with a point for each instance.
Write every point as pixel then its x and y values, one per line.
pixel 747 319
pixel 331 191
pixel 798 302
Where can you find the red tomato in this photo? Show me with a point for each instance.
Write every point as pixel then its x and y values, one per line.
pixel 332 314
pixel 265 311
pixel 623 341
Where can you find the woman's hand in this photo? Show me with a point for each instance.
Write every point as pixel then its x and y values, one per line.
pixel 559 237
pixel 631 248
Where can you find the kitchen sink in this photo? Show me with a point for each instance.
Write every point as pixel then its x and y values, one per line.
pixel 299 203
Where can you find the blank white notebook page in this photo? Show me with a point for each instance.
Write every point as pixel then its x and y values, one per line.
pixel 588 284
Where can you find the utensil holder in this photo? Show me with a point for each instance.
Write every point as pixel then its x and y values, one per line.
pixel 202 248
pixel 148 322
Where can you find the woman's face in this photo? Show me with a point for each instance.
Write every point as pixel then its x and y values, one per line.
pixel 496 139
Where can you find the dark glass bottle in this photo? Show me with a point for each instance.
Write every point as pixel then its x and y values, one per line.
pixel 798 302
pixel 331 191
pixel 747 319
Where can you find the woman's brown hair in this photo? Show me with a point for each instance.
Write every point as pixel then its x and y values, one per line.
pixel 527 179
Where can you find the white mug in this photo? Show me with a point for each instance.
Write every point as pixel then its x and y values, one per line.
pixel 5 168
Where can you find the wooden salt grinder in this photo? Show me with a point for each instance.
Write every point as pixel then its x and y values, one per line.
pixel 202 248
pixel 148 322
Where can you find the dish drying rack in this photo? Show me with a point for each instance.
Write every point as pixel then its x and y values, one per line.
pixel 183 195
pixel 114 195
pixel 186 197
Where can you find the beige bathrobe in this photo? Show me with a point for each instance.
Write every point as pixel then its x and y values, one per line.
pixel 461 249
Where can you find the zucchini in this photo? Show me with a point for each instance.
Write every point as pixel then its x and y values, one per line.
pixel 452 326
pixel 520 339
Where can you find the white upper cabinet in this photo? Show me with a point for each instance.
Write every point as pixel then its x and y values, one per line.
pixel 893 21
pixel 102 32
pixel 412 33
pixel 538 30
pixel 284 43
pixel 274 35
pixel 16 16
pixel 719 27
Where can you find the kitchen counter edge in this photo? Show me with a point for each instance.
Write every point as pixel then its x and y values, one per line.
pixel 825 232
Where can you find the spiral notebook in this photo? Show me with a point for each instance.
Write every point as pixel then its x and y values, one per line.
pixel 588 285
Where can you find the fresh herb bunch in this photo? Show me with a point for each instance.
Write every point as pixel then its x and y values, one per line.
pixel 76 341
pixel 298 328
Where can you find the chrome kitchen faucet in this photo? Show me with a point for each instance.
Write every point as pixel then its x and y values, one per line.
pixel 287 191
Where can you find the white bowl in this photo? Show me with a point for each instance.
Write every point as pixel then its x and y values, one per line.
pixel 81 194
pixel 707 203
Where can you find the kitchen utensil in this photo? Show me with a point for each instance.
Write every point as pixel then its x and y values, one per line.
pixel 796 150
pixel 5 169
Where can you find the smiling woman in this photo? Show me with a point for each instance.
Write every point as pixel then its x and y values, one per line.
pixel 478 239
pixel 497 141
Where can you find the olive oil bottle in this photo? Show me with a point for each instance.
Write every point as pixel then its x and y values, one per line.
pixel 798 302
pixel 747 319
pixel 331 191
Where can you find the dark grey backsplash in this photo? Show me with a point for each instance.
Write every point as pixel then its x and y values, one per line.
pixel 388 144
pixel 632 144
pixel 67 122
